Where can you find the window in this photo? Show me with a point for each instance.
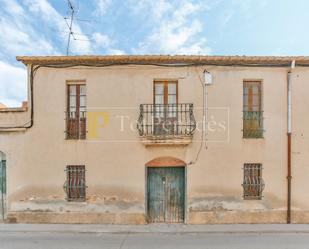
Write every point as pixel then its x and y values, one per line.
pixel 75 185
pixel 252 110
pixel 253 183
pixel 165 107
pixel 76 111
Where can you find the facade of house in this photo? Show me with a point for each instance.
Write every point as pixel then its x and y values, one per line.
pixel 158 139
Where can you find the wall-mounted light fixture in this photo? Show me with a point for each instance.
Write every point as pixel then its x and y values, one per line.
pixel 207 78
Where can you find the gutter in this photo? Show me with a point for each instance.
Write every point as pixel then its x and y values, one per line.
pixel 289 140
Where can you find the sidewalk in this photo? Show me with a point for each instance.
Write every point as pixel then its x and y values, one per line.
pixel 156 228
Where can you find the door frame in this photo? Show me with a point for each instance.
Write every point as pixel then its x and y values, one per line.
pixel 165 91
pixel 185 189
pixel 4 197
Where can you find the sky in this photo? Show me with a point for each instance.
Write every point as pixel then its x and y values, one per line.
pixel 105 27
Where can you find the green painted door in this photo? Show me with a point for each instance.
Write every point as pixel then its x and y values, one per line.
pixel 166 194
pixel 2 188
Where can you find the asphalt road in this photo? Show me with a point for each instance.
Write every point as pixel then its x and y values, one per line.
pixel 67 240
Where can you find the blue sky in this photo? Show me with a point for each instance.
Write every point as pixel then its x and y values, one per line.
pixel 215 27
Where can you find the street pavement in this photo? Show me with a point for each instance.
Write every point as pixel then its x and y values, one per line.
pixel 21 236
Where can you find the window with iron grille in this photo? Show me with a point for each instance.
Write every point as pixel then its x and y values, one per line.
pixel 253 183
pixel 75 185
pixel 252 110
pixel 76 111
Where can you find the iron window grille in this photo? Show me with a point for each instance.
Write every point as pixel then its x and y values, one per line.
pixel 76 125
pixel 75 184
pixel 253 124
pixel 166 120
pixel 253 183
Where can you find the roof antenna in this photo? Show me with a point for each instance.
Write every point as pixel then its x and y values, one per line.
pixel 70 25
pixel 72 11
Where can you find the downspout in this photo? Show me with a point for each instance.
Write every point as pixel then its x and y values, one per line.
pixel 289 134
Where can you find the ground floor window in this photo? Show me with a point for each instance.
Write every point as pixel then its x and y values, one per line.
pixel 253 183
pixel 75 185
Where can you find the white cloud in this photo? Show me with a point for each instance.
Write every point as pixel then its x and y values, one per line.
pixel 105 42
pixel 13 84
pixel 17 34
pixel 113 51
pixel 176 32
pixel 154 9
pixel 13 7
pixel 102 6
pixel 101 40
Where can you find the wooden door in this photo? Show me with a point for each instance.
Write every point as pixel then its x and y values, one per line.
pixel 166 194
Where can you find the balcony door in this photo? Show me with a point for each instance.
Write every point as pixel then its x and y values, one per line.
pixel 165 107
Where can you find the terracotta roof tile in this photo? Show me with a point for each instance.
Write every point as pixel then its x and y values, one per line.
pixel 167 59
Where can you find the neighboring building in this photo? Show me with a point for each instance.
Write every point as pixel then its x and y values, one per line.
pixel 2 106
pixel 137 139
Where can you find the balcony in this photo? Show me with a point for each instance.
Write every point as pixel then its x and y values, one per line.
pixel 253 124
pixel 76 125
pixel 166 123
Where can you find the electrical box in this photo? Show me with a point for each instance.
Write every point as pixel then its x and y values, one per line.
pixel 208 78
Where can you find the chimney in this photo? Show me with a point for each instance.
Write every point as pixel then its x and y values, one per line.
pixel 25 105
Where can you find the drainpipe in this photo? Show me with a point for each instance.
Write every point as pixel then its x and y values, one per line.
pixel 289 114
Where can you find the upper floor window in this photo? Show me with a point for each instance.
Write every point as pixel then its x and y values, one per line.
pixel 252 110
pixel 76 111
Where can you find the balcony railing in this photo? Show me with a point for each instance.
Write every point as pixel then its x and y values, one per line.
pixel 76 125
pixel 252 124
pixel 168 120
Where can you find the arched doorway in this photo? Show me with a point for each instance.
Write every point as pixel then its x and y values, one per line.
pixel 2 186
pixel 166 190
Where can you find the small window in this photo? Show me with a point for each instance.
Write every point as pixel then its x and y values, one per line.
pixel 252 110
pixel 253 183
pixel 75 185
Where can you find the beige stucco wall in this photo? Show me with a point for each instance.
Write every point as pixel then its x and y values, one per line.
pixel 115 162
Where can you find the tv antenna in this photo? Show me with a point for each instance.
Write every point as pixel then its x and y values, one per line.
pixel 69 21
pixel 70 24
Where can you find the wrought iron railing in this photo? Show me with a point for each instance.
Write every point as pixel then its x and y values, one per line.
pixel 252 124
pixel 166 120
pixel 76 125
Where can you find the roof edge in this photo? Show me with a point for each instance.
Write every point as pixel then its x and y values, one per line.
pixel 163 59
